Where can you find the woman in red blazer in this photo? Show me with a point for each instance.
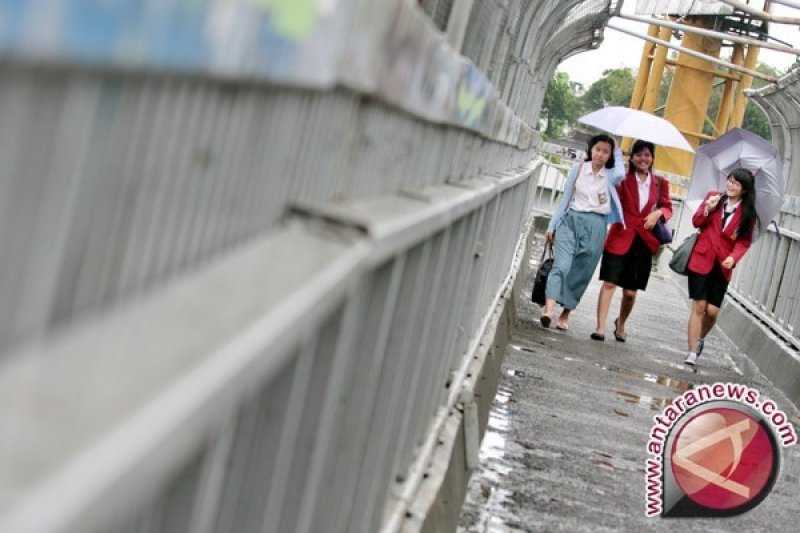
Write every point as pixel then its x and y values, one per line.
pixel 726 224
pixel 629 249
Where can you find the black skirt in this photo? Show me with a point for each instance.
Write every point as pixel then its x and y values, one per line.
pixel 710 287
pixel 630 271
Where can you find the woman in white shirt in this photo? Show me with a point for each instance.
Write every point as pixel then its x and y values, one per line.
pixel 578 226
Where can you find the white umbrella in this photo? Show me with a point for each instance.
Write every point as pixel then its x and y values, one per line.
pixel 636 124
pixel 740 148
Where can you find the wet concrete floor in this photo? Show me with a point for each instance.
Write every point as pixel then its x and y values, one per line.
pixel 566 445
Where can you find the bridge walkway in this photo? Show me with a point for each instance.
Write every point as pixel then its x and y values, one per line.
pixel 565 448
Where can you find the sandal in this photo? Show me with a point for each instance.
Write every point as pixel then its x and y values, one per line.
pixel 562 328
pixel 597 337
pixel 617 336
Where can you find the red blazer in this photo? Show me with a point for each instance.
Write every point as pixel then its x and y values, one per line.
pixel 716 244
pixel 620 238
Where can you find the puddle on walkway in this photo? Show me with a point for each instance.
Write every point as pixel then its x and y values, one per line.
pixel 503 396
pixel 646 402
pixel 496 514
pixel 674 384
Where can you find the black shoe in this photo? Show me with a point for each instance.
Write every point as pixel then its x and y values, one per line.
pixel 597 337
pixel 545 321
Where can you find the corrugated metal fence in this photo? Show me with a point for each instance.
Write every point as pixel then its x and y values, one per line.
pixel 768 282
pixel 255 253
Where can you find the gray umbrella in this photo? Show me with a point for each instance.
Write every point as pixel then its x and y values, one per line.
pixel 713 162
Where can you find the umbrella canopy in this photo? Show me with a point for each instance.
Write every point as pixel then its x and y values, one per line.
pixel 636 124
pixel 714 161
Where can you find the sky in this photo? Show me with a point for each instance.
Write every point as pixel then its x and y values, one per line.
pixel 622 50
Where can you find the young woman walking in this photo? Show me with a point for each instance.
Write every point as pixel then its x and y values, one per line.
pixel 628 255
pixel 726 224
pixel 578 226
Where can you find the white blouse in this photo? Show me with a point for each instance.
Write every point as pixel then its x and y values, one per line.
pixel 729 209
pixel 644 190
pixel 591 191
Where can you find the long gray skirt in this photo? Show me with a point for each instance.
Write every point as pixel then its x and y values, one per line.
pixel 578 247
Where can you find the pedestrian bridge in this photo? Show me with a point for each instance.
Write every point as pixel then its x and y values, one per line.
pixel 263 261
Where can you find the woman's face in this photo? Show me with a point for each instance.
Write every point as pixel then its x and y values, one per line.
pixel 601 151
pixel 642 160
pixel 733 188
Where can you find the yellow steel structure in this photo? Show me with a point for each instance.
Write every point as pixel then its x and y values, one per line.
pixel 687 103
pixel 689 94
pixel 726 104
pixel 741 100
pixel 651 72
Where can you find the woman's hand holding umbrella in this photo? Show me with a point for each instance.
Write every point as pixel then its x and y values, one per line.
pixel 712 202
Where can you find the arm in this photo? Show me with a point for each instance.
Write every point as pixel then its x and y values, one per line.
pixel 701 216
pixel 569 187
pixel 618 172
pixel 663 206
pixel 664 201
pixel 740 247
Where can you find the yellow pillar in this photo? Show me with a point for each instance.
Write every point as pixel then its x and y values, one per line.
pixel 689 94
pixel 641 79
pixel 750 61
pixel 726 104
pixel 656 73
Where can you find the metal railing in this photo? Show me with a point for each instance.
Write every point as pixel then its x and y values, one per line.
pixel 767 283
pixel 323 379
pixel 781 103
pixel 248 291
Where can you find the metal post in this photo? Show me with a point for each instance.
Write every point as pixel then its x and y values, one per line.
pixel 711 33
pixel 642 76
pixel 763 15
pixel 457 25
pixel 726 104
pixel 688 98
pixel 656 73
pixel 751 60
pixel 695 53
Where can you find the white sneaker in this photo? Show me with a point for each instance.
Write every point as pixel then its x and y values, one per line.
pixel 691 359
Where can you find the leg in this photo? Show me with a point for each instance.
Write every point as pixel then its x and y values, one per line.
pixel 563 319
pixel 590 233
pixel 625 308
pixel 564 251
pixel 603 303
pixel 696 316
pixel 549 306
pixel 709 320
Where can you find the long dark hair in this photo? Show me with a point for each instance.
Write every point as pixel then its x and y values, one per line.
pixel 640 146
pixel 601 138
pixel 748 198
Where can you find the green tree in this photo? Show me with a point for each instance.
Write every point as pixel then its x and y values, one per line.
pixel 561 106
pixel 754 119
pixel 615 87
